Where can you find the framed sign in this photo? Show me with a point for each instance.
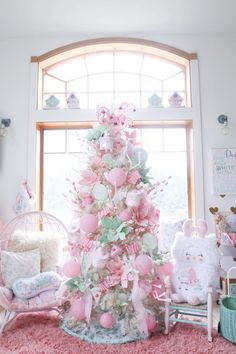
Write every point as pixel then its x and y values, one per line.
pixel 224 171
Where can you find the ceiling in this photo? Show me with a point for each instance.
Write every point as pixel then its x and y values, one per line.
pixel 34 18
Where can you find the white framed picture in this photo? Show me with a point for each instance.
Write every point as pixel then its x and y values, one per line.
pixel 224 171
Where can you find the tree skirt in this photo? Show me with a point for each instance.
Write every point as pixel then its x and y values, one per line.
pixel 99 335
pixel 40 334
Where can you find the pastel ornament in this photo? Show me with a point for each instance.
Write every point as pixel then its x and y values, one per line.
pixel 108 160
pixel 140 156
pixel 100 192
pixel 106 143
pixel 78 309
pixel 89 223
pixel 133 199
pixel 143 264
pixel 125 215
pixel 72 268
pixel 107 320
pixel 117 177
pixel 74 226
pixel 151 323
pixel 149 241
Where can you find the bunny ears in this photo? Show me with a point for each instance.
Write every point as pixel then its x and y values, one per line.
pixel 200 229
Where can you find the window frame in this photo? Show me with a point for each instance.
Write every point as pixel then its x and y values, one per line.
pixel 152 115
pixel 41 127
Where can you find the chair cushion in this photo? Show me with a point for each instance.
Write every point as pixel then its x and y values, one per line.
pixel 49 244
pixel 16 265
pixel 45 300
pixel 6 296
pixel 26 288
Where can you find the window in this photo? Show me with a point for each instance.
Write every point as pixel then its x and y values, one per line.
pixel 111 70
pixel 100 74
pixel 169 154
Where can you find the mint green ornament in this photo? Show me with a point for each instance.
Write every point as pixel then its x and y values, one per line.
pixel 108 160
pixel 100 192
pixel 149 241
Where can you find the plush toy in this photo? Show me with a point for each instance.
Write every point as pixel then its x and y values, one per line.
pixel 196 263
pixel 25 199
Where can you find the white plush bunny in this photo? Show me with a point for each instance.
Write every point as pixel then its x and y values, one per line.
pixel 196 263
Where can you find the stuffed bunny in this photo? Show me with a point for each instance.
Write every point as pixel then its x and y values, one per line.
pixel 196 263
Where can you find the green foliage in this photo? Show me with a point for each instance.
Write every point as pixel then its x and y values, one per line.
pixel 113 230
pixel 76 284
pixel 96 133
pixel 111 223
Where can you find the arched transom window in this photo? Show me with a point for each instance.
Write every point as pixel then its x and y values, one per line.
pixel 101 73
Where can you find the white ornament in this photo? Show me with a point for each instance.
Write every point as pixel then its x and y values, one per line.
pixel 106 143
pixel 133 199
pixel 100 192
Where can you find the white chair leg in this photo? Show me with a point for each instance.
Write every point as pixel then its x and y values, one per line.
pixel 167 315
pixel 209 315
pixel 6 316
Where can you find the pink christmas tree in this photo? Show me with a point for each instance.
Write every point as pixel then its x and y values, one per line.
pixel 112 273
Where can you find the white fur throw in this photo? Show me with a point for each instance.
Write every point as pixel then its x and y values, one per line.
pixel 49 244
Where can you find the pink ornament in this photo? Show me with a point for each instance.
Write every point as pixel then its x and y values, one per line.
pixel 72 268
pixel 143 264
pixel 125 215
pixel 89 223
pixel 107 320
pixel 78 309
pixel 117 176
pixel 151 323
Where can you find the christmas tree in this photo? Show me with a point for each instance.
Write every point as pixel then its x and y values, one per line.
pixel 112 274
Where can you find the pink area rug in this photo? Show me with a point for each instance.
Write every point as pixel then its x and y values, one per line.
pixel 39 334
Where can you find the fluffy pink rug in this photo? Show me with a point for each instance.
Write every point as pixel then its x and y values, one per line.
pixel 39 334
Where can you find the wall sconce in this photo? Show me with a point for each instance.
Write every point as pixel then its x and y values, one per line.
pixel 223 119
pixel 5 123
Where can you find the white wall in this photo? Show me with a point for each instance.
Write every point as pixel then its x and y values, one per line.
pixel 217 70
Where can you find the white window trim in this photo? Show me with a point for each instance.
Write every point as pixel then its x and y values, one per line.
pixel 150 114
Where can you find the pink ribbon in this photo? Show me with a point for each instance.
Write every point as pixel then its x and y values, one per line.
pixel 84 243
pixel 113 280
pixel 133 177
pixel 133 248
